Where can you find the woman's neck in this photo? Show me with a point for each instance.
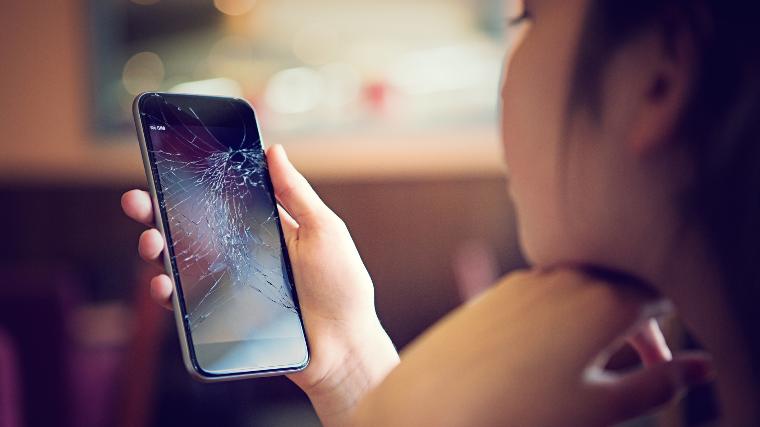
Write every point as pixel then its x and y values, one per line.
pixel 693 284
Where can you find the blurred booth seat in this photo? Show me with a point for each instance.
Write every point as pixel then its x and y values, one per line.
pixel 10 386
pixel 47 378
pixel 35 308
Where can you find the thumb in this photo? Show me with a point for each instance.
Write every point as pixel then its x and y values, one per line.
pixel 292 190
pixel 643 390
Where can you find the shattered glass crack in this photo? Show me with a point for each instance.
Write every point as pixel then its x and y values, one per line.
pixel 219 234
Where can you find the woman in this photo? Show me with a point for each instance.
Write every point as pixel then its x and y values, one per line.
pixel 630 130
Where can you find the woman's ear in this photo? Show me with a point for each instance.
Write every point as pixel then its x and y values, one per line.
pixel 671 56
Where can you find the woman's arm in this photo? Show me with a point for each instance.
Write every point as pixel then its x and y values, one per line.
pixel 529 352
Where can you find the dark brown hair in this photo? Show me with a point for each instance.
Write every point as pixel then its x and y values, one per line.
pixel 719 127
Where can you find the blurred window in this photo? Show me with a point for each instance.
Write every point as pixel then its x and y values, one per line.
pixel 307 66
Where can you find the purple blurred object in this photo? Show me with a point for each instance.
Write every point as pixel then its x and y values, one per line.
pixel 10 386
pixel 475 268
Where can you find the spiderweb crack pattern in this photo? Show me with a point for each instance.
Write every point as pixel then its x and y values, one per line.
pixel 221 239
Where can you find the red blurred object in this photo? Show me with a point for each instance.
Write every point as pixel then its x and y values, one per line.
pixel 376 94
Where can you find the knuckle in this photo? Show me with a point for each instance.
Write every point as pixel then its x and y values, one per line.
pixel 339 223
pixel 284 191
pixel 332 223
pixel 331 226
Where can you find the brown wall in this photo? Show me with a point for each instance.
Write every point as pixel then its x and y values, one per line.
pixel 406 231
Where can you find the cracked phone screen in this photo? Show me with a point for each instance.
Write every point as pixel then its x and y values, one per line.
pixel 223 233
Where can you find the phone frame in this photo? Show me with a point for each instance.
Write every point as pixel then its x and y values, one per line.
pixel 161 223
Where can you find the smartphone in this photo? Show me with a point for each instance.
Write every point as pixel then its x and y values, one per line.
pixel 234 297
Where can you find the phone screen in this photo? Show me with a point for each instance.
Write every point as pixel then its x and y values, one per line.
pixel 224 238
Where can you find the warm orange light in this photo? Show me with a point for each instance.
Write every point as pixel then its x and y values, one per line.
pixel 234 7
pixel 144 71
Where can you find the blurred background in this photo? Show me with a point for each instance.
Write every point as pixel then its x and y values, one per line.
pixel 387 106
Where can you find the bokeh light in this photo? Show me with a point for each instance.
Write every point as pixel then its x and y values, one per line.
pixel 316 44
pixel 143 72
pixel 234 7
pixel 295 90
pixel 342 84
pixel 215 87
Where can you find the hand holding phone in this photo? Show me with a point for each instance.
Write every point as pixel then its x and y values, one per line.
pixel 350 351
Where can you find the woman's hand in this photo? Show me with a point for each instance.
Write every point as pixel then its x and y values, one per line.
pixel 531 352
pixel 350 351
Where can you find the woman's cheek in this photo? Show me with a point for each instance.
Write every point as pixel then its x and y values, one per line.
pixel 529 180
pixel 513 134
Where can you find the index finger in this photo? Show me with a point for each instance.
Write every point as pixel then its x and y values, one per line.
pixel 137 205
pixel 649 342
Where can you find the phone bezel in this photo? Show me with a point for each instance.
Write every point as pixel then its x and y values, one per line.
pixel 161 222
